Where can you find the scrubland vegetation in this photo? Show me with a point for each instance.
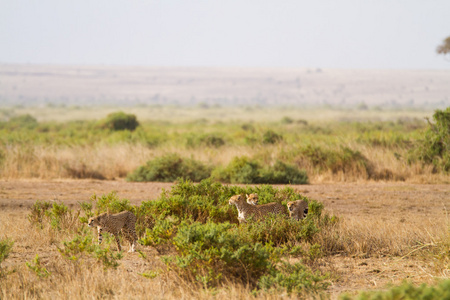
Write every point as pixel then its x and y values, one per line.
pixel 191 245
pixel 285 151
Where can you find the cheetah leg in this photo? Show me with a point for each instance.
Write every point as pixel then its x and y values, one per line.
pixel 132 238
pixel 100 236
pixel 118 242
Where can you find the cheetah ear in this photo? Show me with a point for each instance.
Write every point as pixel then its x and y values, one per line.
pixel 246 196
pixel 256 195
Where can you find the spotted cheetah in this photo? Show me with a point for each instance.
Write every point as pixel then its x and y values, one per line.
pixel 298 209
pixel 246 211
pixel 252 199
pixel 113 224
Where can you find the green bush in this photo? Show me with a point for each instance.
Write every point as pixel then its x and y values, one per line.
pixel 57 215
pixel 5 249
pixel 239 170
pixel 282 173
pixel 36 267
pixel 169 168
pixel 344 160
pixel 435 147
pixel 271 137
pixel 293 278
pixel 23 121
pixel 248 171
pixel 120 121
pixel 213 253
pixel 407 291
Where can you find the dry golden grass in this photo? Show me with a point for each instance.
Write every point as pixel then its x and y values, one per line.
pixel 388 232
pixel 116 161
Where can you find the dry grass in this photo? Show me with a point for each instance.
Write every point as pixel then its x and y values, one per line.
pixel 386 234
pixel 116 161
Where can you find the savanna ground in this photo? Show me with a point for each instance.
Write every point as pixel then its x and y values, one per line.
pixel 379 216
pixel 393 213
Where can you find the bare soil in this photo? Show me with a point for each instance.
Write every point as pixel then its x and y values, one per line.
pixel 393 203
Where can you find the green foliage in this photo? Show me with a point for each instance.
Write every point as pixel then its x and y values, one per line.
pixel 435 147
pixel 247 171
pixel 110 203
pixel 120 121
pixel 57 214
pixel 344 160
pixel 282 173
pixel 38 212
pixel 37 268
pixel 293 278
pixel 6 246
pixel 169 168
pixel 271 137
pixel 21 122
pixel 212 252
pixel 407 291
pixel 5 249
pixel 80 246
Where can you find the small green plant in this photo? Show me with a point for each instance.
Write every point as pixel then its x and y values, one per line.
pixel 120 121
pixel 79 246
pixel 434 149
pixel 271 137
pixel 5 249
pixel 108 258
pixel 37 268
pixel 38 213
pixel 169 168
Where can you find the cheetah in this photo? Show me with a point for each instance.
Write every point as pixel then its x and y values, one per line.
pixel 124 221
pixel 298 209
pixel 252 199
pixel 246 211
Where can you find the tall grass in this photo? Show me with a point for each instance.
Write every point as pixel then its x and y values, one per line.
pixel 338 151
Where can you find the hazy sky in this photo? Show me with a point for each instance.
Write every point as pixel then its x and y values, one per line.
pixel 387 34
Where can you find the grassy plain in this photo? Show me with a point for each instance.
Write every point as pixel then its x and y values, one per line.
pixel 393 214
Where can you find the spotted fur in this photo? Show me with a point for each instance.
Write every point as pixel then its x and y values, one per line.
pixel 256 212
pixel 298 209
pixel 124 221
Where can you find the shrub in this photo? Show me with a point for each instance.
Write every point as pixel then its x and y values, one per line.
pixel 80 246
pixel 36 267
pixel 58 215
pixel 23 121
pixel 282 173
pixel 109 203
pixel 435 147
pixel 344 160
pixel 239 170
pixel 5 249
pixel 293 278
pixel 120 121
pixel 169 168
pixel 271 137
pixel 247 171
pixel 211 252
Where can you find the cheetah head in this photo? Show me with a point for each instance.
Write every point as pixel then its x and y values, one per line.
pixel 298 209
pixel 235 199
pixel 95 221
pixel 252 199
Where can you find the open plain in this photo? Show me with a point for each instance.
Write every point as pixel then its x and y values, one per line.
pixel 382 213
